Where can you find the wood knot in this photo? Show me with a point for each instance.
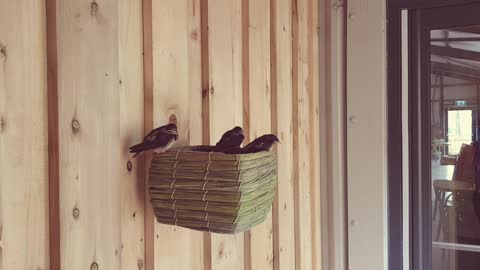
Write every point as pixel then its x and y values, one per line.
pixel 94 8
pixel 3 51
pixel 212 90
pixel 76 213
pixel 75 125
pixel 172 119
pixel 129 166
pixel 140 264
pixel 194 35
pixel 3 124
pixel 94 266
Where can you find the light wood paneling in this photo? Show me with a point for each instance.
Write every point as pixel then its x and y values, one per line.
pixel 315 137
pixel 24 234
pixel 225 52
pixel 177 98
pixel 285 248
pixel 122 68
pixel 91 166
pixel 260 238
pixel 130 82
pixel 303 138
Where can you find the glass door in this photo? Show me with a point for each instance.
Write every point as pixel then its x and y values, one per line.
pixel 445 155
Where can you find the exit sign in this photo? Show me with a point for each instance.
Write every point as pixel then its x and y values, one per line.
pixel 461 103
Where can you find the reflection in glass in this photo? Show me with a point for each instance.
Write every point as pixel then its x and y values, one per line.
pixel 455 95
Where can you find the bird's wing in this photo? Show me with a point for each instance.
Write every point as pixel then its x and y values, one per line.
pixel 254 146
pixel 153 136
pixel 224 138
pixel 162 139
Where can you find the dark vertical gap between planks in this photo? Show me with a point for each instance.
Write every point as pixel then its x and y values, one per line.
pixel 311 115
pixel 148 125
pixel 295 45
pixel 53 135
pixel 205 62
pixel 246 68
pixel 205 69
pixel 274 119
pixel 247 244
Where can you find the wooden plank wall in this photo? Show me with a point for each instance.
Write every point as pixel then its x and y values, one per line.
pixel 24 237
pixel 114 69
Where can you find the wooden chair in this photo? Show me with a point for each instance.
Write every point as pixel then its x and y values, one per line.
pixel 455 195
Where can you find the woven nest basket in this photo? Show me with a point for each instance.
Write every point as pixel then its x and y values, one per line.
pixel 209 191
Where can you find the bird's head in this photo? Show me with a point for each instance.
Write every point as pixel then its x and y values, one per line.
pixel 238 130
pixel 172 130
pixel 270 138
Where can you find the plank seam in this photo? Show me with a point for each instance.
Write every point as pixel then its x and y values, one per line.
pixel 205 77
pixel 53 136
pixel 274 119
pixel 246 109
pixel 295 47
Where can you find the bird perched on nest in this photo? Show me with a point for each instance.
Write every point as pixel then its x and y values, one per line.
pixel 262 143
pixel 230 140
pixel 159 140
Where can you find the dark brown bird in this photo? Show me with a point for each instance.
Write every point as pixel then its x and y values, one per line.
pixel 159 140
pixel 231 139
pixel 262 143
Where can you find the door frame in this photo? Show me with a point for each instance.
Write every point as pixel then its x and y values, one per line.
pixel 420 246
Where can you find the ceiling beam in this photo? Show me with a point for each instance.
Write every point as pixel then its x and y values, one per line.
pixel 464 39
pixel 470 29
pixel 455 71
pixel 455 53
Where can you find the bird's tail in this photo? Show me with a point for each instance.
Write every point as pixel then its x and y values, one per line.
pixel 138 149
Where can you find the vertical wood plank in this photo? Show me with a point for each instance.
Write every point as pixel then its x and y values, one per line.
pixel 131 131
pixel 177 89
pixel 315 137
pixel 24 223
pixel 295 135
pixel 89 128
pixel 225 70
pixel 285 257
pixel 261 237
pixel 303 139
pixel 147 127
pixel 195 87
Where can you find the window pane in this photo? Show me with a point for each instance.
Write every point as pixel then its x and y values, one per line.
pixel 454 92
